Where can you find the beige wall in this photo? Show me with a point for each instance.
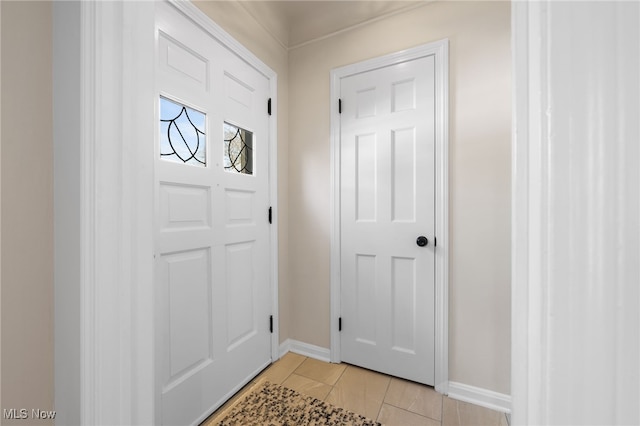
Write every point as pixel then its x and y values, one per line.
pixel 480 114
pixel 235 20
pixel 480 123
pixel 27 208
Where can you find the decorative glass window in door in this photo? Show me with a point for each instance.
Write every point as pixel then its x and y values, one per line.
pixel 182 134
pixel 238 150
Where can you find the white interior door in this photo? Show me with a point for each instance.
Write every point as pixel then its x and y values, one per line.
pixel 212 230
pixel 387 203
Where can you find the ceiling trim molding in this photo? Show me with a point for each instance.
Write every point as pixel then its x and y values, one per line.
pixel 361 24
pixel 264 27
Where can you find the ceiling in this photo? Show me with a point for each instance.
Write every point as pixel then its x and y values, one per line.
pixel 296 22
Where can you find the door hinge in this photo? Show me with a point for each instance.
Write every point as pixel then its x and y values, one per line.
pixel 340 324
pixel 269 106
pixel 271 323
pixel 339 106
pixel 270 214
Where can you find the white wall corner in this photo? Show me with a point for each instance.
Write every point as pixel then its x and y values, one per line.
pixel 116 341
pixel 479 396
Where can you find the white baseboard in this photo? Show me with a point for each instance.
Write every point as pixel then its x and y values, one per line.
pixel 306 349
pixel 478 396
pixel 474 395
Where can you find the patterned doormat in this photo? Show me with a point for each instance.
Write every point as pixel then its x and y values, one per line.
pixel 269 404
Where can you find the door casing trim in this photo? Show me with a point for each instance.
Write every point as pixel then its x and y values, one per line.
pixel 440 51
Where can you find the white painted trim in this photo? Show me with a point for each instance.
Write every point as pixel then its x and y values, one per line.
pixel 115 206
pixel 88 336
pixel 273 189
pixel 305 349
pixel 284 348
pixel 440 51
pixel 378 18
pixel 575 212
pixel 442 217
pixel 334 225
pixel 479 396
pixel 204 21
pixel 260 22
pixel 526 293
pixel 66 213
pixel 1 198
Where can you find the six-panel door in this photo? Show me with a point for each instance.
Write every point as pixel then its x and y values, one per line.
pixel 387 145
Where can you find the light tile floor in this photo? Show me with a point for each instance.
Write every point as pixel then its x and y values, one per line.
pixel 387 399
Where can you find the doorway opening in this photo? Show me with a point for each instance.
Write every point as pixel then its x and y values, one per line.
pixel 403 94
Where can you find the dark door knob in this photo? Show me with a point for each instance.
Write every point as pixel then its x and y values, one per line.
pixel 422 241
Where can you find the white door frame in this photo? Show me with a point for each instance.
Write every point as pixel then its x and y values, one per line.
pixel 549 128
pixel 440 51
pixel 116 202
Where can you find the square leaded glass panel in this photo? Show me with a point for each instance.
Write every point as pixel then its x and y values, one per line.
pixel 238 150
pixel 182 134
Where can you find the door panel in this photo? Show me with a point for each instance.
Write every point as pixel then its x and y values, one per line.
pixel 387 201
pixel 403 304
pixel 365 297
pixel 403 173
pixel 179 60
pixel 240 294
pixel 187 284
pixel 212 241
pixel 366 174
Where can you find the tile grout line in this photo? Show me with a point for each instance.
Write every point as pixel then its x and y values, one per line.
pixel 292 372
pixel 413 412
pixel 442 410
pixel 341 374
pixel 248 386
pixel 384 398
pixel 311 378
pixel 333 386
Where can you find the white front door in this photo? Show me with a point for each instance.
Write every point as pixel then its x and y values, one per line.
pixel 387 143
pixel 213 296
